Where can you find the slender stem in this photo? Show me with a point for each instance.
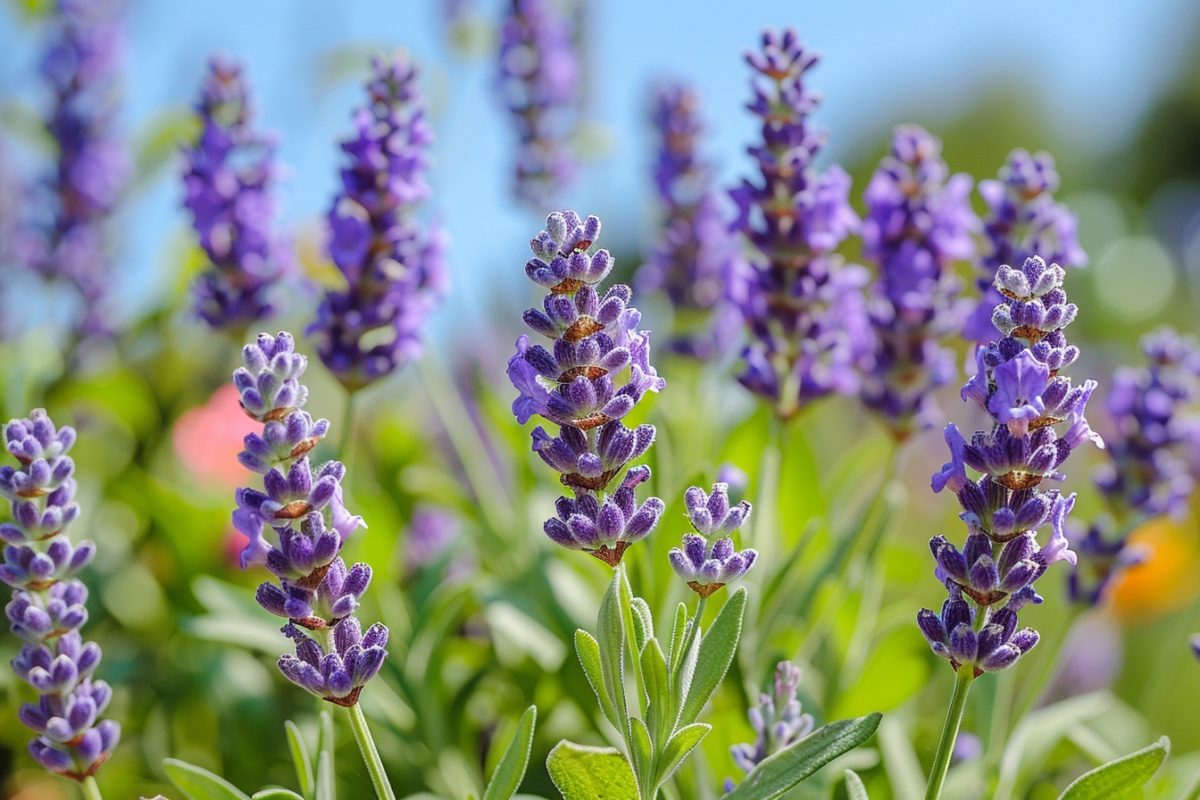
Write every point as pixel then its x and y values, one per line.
pixel 954 717
pixel 366 746
pixel 347 437
pixel 91 789
pixel 691 632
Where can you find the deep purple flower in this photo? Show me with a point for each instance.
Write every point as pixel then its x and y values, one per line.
pixel 693 255
pixel 394 270
pixel 538 81
pixel 919 222
pixel 1023 220
pixel 777 720
pixel 1038 419
pixel 228 182
pixel 48 605
pixel 804 308
pixel 593 371
pixel 72 216
pixel 297 525
pixel 706 568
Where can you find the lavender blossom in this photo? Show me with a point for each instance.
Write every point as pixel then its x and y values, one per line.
pixel 1147 475
pixel 1023 220
pixel 595 372
pixel 802 305
pixel 72 244
pixel 693 256
pixel 919 221
pixel 777 720
pixel 706 568
pixel 1021 385
pixel 539 78
pixel 297 525
pixel 48 608
pixel 230 172
pixel 1195 643
pixel 394 271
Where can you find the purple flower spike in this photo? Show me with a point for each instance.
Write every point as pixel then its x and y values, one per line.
pixel 227 188
pixel 538 81
pixel 592 371
pixel 268 381
pixel 48 605
pixel 777 720
pixel 393 269
pixel 802 306
pixel 1029 399
pixel 919 222
pixel 711 514
pixel 338 672
pixel 707 568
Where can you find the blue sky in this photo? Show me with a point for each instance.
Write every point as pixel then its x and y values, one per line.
pixel 1096 65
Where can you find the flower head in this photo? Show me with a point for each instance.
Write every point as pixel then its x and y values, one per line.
pixel 706 568
pixel 777 720
pixel 339 671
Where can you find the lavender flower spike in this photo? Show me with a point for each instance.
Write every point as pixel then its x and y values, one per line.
pixel 1038 421
pixel 539 78
pixel 230 172
pixel 706 568
pixel 594 373
pixel 297 524
pixel 919 222
pixel 394 270
pixel 802 305
pixel 693 256
pixel 48 608
pixel 777 720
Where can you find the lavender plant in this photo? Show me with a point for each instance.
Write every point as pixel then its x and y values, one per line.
pixel 777 721
pixel 297 525
pixel 538 80
pixel 1154 419
pixel 1022 220
pixel 919 222
pixel 693 255
pixel 394 270
pixel 227 185
pixel 81 67
pixel 47 609
pixel 802 305
pixel 1020 383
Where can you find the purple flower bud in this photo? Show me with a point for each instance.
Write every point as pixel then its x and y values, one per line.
pixel 707 568
pixel 777 720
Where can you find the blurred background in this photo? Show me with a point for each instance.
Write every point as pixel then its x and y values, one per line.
pixel 481 607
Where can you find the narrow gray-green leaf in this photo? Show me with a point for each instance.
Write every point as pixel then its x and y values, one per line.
pixel 677 749
pixel 678 630
pixel 643 622
pixel 200 784
pixel 275 793
pixel 717 649
pixel 506 780
pixel 588 651
pixel 590 773
pixel 643 750
pixel 300 758
pixel 611 638
pixel 1119 776
pixel 855 790
pixel 658 691
pixel 797 762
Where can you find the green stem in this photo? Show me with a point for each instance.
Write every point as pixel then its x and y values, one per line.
pixel 954 717
pixel 691 633
pixel 366 746
pixel 347 437
pixel 91 790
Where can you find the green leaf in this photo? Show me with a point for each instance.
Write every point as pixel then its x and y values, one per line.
pixel 200 784
pixel 275 793
pixel 658 692
pixel 643 750
pixel 590 773
pixel 611 638
pixel 678 631
pixel 588 651
pixel 677 749
pixel 300 757
pixel 506 780
pixel 795 763
pixel 854 786
pixel 1122 775
pixel 326 789
pixel 643 622
pixel 716 654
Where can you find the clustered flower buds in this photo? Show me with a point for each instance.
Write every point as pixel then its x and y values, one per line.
pixel 919 222
pixel 694 254
pixel 595 371
pixel 394 270
pixel 297 525
pixel 802 305
pixel 48 602
pixel 1154 420
pixel 230 172
pixel 777 720
pixel 707 567
pixel 538 80
pixel 1020 384
pixel 1023 220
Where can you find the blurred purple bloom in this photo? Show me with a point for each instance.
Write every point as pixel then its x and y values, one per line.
pixel 803 307
pixel 394 270
pixel 48 605
pixel 230 172
pixel 777 720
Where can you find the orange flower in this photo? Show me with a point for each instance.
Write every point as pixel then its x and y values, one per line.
pixel 1168 579
pixel 208 438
